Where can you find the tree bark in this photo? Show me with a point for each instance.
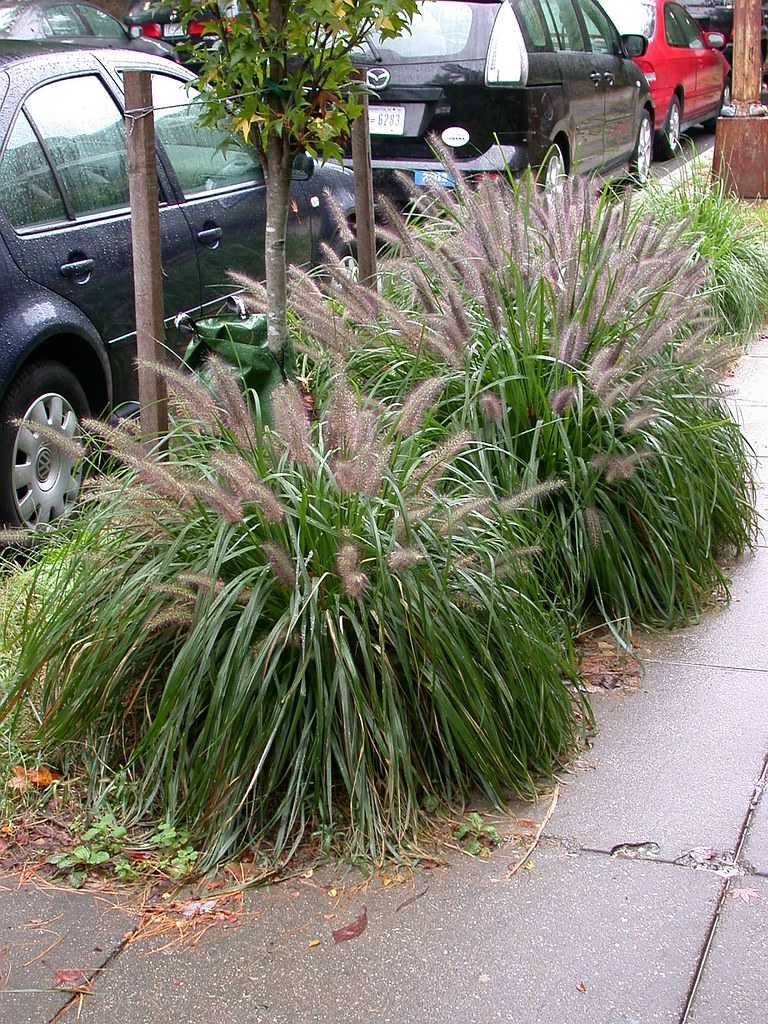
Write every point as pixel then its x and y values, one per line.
pixel 278 168
pixel 364 216
pixel 747 57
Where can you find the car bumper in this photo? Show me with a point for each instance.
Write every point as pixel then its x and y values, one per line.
pixel 495 159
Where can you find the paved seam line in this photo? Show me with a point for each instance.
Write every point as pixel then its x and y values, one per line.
pixel 700 664
pixel 754 803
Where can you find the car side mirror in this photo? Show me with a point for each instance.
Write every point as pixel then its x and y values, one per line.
pixel 303 167
pixel 634 45
pixel 715 40
pixel 134 32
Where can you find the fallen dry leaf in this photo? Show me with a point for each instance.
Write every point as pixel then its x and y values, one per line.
pixel 333 892
pixel 352 930
pixel 746 895
pixel 313 944
pixel 71 980
pixel 702 854
pixel 22 778
pixel 387 881
pixel 197 907
pixel 581 987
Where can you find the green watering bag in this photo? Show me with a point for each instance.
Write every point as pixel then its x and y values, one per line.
pixel 242 342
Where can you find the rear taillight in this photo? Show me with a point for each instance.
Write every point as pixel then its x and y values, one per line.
pixel 152 30
pixel 196 28
pixel 647 68
pixel 507 60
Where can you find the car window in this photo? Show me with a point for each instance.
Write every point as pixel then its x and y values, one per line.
pixel 602 34
pixel 194 152
pixel 8 16
pixel 680 28
pixel 62 21
pixel 30 195
pixel 637 18
pixel 690 28
pixel 436 30
pixel 101 24
pixel 563 25
pixel 530 16
pixel 87 151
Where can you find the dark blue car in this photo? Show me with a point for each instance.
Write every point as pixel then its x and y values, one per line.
pixel 67 333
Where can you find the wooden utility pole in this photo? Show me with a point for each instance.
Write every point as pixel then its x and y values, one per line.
pixel 147 253
pixel 747 56
pixel 741 143
pixel 364 216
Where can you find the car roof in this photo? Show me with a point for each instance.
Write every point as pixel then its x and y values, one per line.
pixel 17 51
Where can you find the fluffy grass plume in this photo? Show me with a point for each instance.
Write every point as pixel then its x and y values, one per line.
pixel 573 339
pixel 276 635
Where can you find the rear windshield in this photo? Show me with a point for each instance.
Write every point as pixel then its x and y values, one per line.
pixel 632 18
pixel 440 30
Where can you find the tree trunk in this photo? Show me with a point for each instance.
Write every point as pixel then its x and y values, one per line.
pixel 278 167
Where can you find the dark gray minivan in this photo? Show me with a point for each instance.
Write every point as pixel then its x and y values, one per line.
pixel 546 84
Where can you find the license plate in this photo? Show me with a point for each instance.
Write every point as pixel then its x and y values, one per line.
pixel 173 31
pixel 386 120
pixel 433 179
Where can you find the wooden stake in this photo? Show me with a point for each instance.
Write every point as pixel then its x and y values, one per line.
pixel 747 56
pixel 364 218
pixel 147 253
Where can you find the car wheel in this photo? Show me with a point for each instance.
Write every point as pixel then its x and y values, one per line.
pixel 552 174
pixel 668 139
pixel 640 164
pixel 38 481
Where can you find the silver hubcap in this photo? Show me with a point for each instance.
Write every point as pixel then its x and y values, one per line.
pixel 555 175
pixel 45 479
pixel 673 130
pixel 644 151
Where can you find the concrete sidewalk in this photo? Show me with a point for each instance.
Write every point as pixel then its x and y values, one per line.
pixel 647 898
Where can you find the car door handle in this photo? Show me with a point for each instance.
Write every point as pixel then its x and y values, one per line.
pixel 210 235
pixel 597 78
pixel 609 78
pixel 77 268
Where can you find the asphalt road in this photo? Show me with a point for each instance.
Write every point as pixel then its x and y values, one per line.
pixel 694 142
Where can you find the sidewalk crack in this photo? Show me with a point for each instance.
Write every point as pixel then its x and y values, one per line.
pixel 90 981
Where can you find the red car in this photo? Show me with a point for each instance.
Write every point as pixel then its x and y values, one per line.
pixel 688 75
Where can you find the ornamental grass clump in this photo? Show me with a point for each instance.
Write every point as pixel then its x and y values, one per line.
pixel 570 339
pixel 286 632
pixel 728 236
